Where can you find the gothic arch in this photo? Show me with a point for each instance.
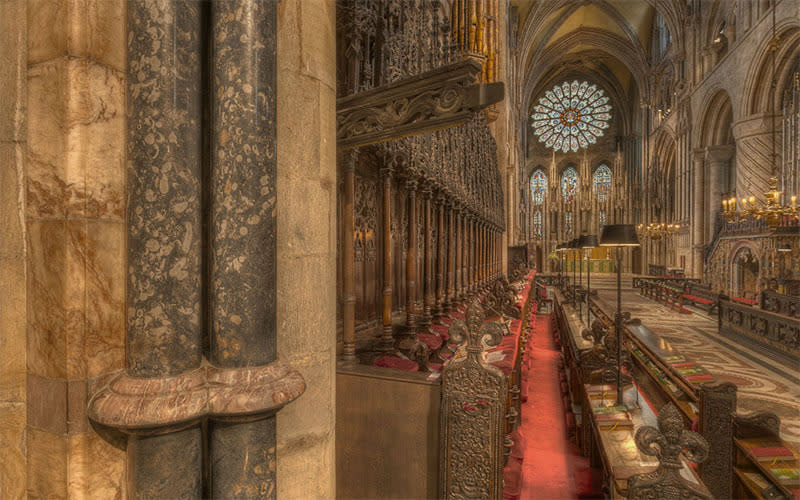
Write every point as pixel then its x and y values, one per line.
pixel 716 126
pixel 738 283
pixel 758 91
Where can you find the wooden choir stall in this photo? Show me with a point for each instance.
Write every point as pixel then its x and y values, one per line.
pixel 738 456
pixel 422 294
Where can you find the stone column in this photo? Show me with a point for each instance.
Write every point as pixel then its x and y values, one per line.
pixel 428 291
pixel 386 336
pixel 451 256
pixel 698 213
pixel 440 257
pixel 411 258
pixel 754 159
pixel 717 159
pixel 242 237
pixel 164 335
pixel 348 256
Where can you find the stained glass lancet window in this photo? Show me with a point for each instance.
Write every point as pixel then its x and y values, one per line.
pixel 537 222
pixel 569 184
pixel 538 187
pixel 568 225
pixel 602 218
pixel 571 116
pixel 602 182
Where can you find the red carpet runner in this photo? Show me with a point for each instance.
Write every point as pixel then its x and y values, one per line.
pixel 552 467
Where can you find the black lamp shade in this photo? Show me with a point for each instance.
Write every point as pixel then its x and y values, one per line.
pixel 560 247
pixel 588 241
pixel 573 243
pixel 784 247
pixel 619 235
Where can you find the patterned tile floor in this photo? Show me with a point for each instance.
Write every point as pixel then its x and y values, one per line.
pixel 764 385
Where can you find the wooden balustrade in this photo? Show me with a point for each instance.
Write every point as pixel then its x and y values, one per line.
pixel 776 333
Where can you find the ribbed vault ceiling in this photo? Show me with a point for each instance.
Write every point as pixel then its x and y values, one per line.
pixel 610 37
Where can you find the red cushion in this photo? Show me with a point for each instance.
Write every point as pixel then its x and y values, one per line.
pixel 442 330
pixel 697 299
pixel 432 341
pixel 396 363
pixel 512 479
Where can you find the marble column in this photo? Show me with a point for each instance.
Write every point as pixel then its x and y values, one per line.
pixel 348 264
pixel 386 333
pixel 428 291
pixel 411 258
pixel 440 255
pixel 242 234
pixel 717 159
pixel 698 213
pixel 164 334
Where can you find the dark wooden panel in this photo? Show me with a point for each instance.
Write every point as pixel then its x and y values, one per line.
pixel 387 434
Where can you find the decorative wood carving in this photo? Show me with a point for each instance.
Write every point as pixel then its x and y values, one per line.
pixel 667 443
pixel 717 406
pixel 472 413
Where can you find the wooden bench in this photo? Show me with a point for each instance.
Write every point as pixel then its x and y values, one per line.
pixel 702 297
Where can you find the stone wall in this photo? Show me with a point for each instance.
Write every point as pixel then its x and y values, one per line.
pixel 13 144
pixel 307 243
pixel 62 243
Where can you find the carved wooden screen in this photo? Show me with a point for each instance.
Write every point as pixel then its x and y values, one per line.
pixel 367 247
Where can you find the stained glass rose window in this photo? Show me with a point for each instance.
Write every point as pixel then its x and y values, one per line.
pixel 571 116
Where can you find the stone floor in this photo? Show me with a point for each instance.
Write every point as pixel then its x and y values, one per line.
pixel 764 385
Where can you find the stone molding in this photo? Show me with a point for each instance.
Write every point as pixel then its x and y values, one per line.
pixel 760 124
pixel 138 405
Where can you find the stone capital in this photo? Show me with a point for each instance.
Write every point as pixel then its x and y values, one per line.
pixel 699 155
pixel 718 154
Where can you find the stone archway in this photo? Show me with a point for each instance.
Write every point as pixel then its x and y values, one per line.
pixel 744 271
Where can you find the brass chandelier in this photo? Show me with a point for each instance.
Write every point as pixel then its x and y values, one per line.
pixel 657 230
pixel 773 211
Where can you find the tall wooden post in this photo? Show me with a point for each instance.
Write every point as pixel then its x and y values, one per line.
pixel 451 256
pixel 348 266
pixel 440 255
pixel 411 258
pixel 386 339
pixel 428 295
pixel 459 255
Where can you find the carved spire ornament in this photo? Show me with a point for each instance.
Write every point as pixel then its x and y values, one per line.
pixel 667 443
pixel 472 413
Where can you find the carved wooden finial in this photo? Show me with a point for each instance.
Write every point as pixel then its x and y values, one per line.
pixel 474 331
pixel 667 442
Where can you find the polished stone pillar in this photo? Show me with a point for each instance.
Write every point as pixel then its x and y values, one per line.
pixel 451 257
pixel 386 333
pixel 698 213
pixel 411 258
pixel 242 236
pixel 440 254
pixel 348 255
pixel 164 335
pixel 428 291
